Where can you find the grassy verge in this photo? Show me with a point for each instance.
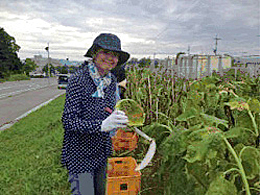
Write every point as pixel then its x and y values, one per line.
pixel 18 77
pixel 30 154
pixel 15 77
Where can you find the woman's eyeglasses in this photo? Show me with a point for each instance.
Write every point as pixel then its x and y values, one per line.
pixel 115 54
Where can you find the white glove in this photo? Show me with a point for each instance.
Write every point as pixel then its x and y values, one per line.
pixel 117 119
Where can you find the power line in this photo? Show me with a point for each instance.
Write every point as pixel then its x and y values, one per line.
pixel 193 4
pixel 178 17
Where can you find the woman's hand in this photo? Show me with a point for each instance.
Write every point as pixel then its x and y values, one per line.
pixel 117 119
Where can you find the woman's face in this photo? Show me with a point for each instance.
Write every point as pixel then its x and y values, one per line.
pixel 105 60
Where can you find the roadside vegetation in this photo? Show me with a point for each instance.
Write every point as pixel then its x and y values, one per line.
pixel 10 63
pixel 16 77
pixel 13 68
pixel 30 154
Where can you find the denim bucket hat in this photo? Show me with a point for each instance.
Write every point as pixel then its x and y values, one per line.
pixel 110 42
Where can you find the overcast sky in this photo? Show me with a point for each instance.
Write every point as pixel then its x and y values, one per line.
pixel 145 27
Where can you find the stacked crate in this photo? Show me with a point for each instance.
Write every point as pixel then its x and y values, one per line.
pixel 124 140
pixel 122 179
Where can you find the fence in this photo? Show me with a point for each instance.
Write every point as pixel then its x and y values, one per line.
pixel 197 66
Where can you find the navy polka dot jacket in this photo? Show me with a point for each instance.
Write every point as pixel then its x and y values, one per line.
pixel 85 147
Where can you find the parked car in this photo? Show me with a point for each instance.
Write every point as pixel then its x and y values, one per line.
pixel 37 75
pixel 63 81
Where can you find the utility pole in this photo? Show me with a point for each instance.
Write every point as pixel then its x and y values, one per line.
pixel 48 64
pixel 215 50
pixel 188 50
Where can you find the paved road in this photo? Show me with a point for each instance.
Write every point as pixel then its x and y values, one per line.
pixel 18 97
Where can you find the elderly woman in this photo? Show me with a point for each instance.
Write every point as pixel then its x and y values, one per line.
pixel 91 93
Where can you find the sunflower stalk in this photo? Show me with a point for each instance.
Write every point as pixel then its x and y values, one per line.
pixel 240 166
pixel 157 107
pixel 253 121
pixel 150 96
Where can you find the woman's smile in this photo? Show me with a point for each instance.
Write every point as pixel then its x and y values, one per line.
pixel 105 61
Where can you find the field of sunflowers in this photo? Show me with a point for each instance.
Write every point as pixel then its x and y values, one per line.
pixel 206 131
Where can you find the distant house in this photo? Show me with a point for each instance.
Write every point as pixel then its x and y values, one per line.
pixel 41 62
pixel 248 60
pixel 70 63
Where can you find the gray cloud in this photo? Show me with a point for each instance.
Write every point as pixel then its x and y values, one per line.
pixel 145 26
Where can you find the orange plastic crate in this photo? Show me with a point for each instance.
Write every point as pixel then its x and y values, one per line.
pixel 122 179
pixel 125 140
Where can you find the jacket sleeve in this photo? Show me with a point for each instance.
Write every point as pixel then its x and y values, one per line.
pixel 71 115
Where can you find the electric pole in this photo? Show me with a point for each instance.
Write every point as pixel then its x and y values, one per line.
pixel 47 49
pixel 188 50
pixel 215 50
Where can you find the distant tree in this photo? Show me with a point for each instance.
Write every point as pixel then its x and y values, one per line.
pixel 29 66
pixel 72 69
pixel 58 68
pixel 133 61
pixel 48 69
pixel 9 61
pixel 64 70
pixel 67 67
pixel 144 63
pixel 52 69
pixel 45 69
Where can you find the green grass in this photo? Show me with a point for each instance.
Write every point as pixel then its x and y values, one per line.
pixel 15 77
pixel 30 154
pixel 18 77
